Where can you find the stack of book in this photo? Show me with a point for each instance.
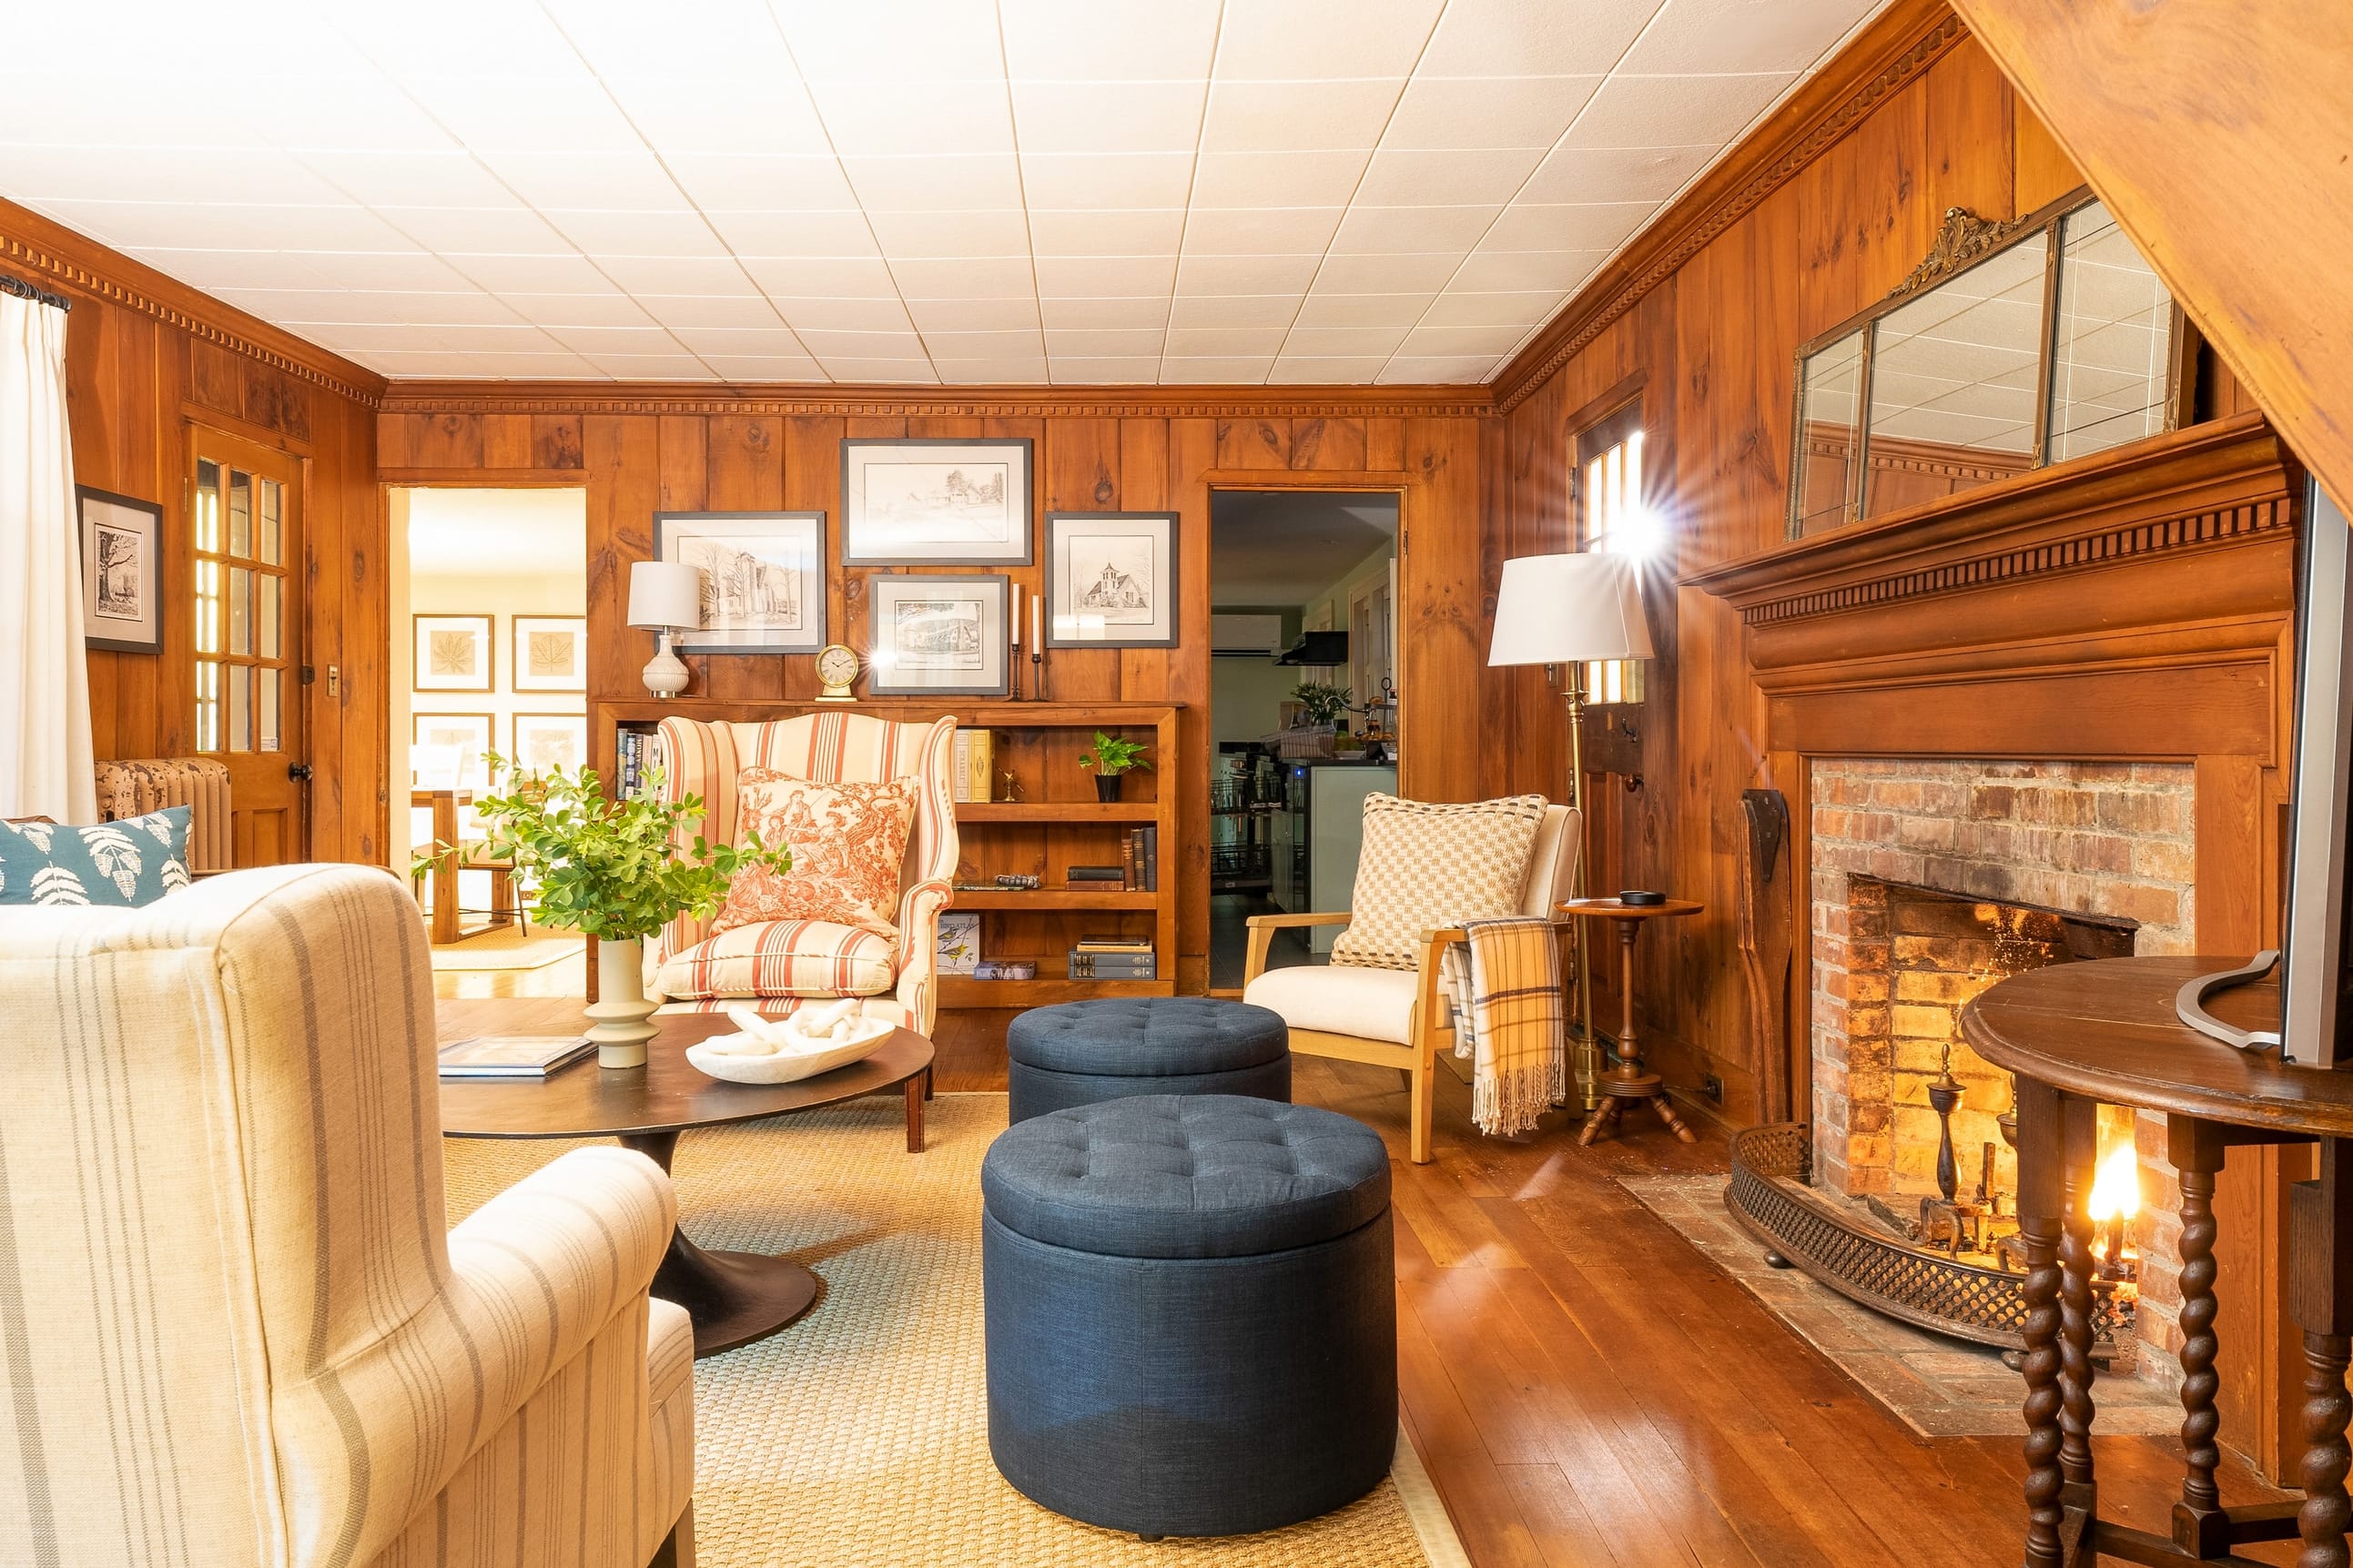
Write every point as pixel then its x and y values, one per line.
pixel 512 1056
pixel 1142 859
pixel 1005 969
pixel 971 772
pixel 1114 958
pixel 1094 879
pixel 641 755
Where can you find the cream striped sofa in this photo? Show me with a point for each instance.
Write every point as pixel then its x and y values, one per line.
pixel 240 1331
pixel 783 966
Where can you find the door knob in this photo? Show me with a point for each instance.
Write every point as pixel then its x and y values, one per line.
pixel 299 772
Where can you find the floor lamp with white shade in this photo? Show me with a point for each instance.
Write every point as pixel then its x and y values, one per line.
pixel 1568 610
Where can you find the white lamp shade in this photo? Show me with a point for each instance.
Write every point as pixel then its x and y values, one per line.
pixel 665 595
pixel 1565 609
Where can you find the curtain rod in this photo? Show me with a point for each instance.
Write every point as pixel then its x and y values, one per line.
pixel 23 290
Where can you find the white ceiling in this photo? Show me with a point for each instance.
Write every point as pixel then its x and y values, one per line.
pixel 959 191
pixel 498 534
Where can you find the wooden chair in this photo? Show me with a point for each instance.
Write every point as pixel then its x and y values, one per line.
pixel 1394 1017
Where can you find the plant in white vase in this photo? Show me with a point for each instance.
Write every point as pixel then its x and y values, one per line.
pixel 619 870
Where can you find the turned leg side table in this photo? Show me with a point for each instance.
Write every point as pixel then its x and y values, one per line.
pixel 1629 1082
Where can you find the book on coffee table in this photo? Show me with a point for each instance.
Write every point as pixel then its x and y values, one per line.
pixel 512 1056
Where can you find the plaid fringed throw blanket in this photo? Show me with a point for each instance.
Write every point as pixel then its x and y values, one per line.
pixel 1510 1018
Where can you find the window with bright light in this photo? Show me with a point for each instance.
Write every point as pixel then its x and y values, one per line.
pixel 244 653
pixel 1613 516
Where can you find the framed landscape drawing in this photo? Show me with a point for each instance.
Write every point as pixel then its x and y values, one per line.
pixel 1111 579
pixel 446 749
pixel 121 562
pixel 454 654
pixel 939 636
pixel 543 743
pixel 763 578
pixel 550 653
pixel 935 501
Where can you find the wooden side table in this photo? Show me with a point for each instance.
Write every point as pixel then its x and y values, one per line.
pixel 2079 1035
pixel 1628 1082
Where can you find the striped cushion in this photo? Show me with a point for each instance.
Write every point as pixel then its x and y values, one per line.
pixel 783 958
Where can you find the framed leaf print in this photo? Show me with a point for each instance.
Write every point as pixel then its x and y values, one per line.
pixel 450 750
pixel 550 653
pixel 454 653
pixel 546 742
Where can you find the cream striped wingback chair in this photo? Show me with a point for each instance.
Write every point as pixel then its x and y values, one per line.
pixel 780 967
pixel 240 1330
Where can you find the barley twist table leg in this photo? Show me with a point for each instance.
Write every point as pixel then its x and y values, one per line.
pixel 2080 1143
pixel 2044 1479
pixel 2322 1522
pixel 2201 1423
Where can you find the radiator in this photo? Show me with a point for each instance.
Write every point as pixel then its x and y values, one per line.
pixel 133 788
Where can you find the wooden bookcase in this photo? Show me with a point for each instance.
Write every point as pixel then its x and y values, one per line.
pixel 1058 823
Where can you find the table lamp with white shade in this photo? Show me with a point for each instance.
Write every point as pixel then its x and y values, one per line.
pixel 665 596
pixel 1570 610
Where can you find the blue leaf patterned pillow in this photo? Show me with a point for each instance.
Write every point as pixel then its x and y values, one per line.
pixel 134 861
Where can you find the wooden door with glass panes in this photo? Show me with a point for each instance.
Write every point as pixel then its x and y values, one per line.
pixel 245 502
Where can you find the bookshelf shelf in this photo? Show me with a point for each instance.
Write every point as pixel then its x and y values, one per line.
pixel 1126 810
pixel 1046 899
pixel 1050 987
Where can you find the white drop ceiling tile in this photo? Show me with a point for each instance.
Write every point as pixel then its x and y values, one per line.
pixel 901 372
pixel 1108 116
pixel 54 110
pixel 493 112
pixel 1696 36
pixel 713 312
pixel 1598 225
pixel 1406 177
pixel 1155 231
pixel 925 234
pixel 725 116
pixel 1140 311
pixel 1118 370
pixel 638 233
pixel 1419 272
pixel 830 276
pixel 607 310
pixel 989 276
pixel 509 273
pixel 220 227
pixel 1615 173
pixel 1448 370
pixel 711 276
pixel 495 231
pixel 518 38
pixel 415 335
pixel 829 345
pixel 451 179
pixel 1342 343
pixel 1297 116
pixel 1433 342
pixel 728 181
pixel 922 40
pixel 349 111
pixel 1663 110
pixel 1007 345
pixel 844 315
pixel 597 342
pixel 1101 276
pixel 305 269
pixel 1122 180
pixel 188 175
pixel 1127 40
pixel 299 311
pixel 1324 308
pixel 652 367
pixel 1519 271
pixel 974 315
pixel 743 342
pixel 1220 369
pixel 1260 231
pixel 1233 310
pixel 1274 38
pixel 1246 274
pixel 940 182
pixel 634 181
pixel 766 367
pixel 1506 37
pixel 1305 370
pixel 1521 308
pixel 991 371
pixel 1279 179
pixel 484 366
pixel 1101 342
pixel 731 40
pixel 1386 231
pixel 782 232
pixel 1489 111
pixel 1227 342
pixel 914 118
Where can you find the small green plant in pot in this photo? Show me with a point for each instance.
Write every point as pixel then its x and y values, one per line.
pixel 1108 759
pixel 619 870
pixel 1324 704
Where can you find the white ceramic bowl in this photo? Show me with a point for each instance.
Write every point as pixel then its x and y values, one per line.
pixel 789 1065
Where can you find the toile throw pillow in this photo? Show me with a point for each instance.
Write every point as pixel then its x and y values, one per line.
pixel 126 863
pixel 849 842
pixel 1425 866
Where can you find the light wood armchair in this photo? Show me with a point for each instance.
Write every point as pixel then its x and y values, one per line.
pixel 1394 1017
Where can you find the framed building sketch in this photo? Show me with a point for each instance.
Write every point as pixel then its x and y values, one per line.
pixel 121 568
pixel 543 743
pixel 1111 579
pixel 939 636
pixel 935 501
pixel 550 653
pixel 447 751
pixel 454 653
pixel 763 578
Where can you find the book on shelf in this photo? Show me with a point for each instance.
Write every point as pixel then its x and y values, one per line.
pixel 1085 965
pixel 959 943
pixel 511 1056
pixel 1095 876
pixel 1113 944
pixel 1004 969
pixel 973 768
pixel 637 756
pixel 1140 863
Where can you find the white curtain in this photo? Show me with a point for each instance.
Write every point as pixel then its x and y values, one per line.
pixel 44 751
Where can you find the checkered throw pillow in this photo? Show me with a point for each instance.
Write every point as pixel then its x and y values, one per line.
pixel 1425 866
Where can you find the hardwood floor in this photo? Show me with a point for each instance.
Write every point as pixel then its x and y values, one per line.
pixel 1589 1390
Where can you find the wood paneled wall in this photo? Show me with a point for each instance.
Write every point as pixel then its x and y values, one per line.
pixel 639 451
pixel 145 356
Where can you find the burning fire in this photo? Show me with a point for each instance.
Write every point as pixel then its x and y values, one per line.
pixel 2115 1188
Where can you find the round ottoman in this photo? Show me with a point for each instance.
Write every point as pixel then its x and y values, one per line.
pixel 1191 1312
pixel 1076 1053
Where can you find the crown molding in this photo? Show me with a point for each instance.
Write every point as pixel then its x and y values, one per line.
pixel 1907 38
pixel 32 244
pixel 922 402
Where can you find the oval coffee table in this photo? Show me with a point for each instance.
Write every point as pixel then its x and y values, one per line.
pixel 733 1298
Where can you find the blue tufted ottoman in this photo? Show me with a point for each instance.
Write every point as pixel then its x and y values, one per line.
pixel 1192 1313
pixel 1076 1053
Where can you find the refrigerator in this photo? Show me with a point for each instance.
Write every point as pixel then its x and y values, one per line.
pixel 1318 834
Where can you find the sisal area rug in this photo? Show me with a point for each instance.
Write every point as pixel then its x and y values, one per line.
pixel 858 1437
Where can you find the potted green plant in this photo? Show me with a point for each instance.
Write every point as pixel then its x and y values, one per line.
pixel 1324 704
pixel 1108 758
pixel 612 870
